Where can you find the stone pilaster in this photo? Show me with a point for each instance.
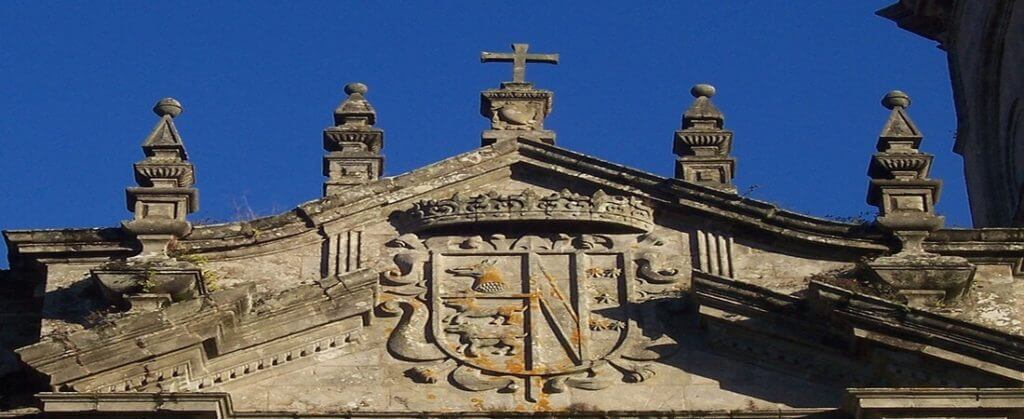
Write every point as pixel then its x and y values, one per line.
pixel 165 196
pixel 703 145
pixel 906 197
pixel 353 144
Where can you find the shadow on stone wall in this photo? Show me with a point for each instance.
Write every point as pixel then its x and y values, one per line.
pixel 693 354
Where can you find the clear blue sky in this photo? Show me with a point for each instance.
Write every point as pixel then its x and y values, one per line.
pixel 798 81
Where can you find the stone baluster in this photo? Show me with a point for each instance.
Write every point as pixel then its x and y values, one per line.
pixel 703 145
pixel 906 197
pixel 353 144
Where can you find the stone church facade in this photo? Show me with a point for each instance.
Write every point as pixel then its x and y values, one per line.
pixel 520 278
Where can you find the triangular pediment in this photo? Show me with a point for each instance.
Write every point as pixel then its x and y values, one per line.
pixel 542 166
pixel 521 276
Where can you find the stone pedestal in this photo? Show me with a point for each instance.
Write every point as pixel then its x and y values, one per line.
pixel 516 110
pixel 148 284
pixel 924 278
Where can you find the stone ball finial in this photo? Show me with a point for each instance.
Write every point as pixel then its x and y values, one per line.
pixel 353 88
pixel 896 98
pixel 168 106
pixel 702 90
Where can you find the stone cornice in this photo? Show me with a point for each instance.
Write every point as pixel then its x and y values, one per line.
pixel 858 403
pixel 223 322
pixel 949 402
pixel 928 18
pixel 219 405
pixel 827 309
pixel 665 192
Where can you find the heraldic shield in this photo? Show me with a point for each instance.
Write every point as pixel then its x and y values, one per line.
pixel 530 312
pixel 543 308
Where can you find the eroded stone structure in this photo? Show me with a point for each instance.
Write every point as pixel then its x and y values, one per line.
pixel 984 41
pixel 520 278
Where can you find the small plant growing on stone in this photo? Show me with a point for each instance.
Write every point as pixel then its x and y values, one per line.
pixel 149 282
pixel 862 217
pixel 210 277
pixel 855 279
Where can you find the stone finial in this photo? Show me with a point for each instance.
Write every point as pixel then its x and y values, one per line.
pixel 906 197
pixel 703 145
pixel 900 186
pixel 353 144
pixel 165 194
pixel 152 279
pixel 517 109
pixel 355 110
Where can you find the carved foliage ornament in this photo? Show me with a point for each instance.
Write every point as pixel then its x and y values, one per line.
pixel 601 208
pixel 529 314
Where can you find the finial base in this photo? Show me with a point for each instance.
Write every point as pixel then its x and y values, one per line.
pixel 712 171
pixel 516 107
pixel 347 169
pixel 489 137
pixel 148 285
pixel 924 278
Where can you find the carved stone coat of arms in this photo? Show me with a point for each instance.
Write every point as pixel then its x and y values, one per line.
pixel 534 310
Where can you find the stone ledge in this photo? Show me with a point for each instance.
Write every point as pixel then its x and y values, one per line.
pixel 933 402
pixel 228 320
pixel 219 405
pixel 856 316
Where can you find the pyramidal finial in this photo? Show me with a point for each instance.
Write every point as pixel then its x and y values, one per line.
pixel 906 198
pixel 353 144
pixel 165 194
pixel 702 112
pixel 900 186
pixel 703 145
pixel 899 125
pixel 163 141
pixel 153 278
pixel 355 109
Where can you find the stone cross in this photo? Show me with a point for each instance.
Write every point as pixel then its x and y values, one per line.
pixel 518 58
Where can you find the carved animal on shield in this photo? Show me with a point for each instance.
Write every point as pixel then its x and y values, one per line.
pixel 472 339
pixel 486 277
pixel 469 307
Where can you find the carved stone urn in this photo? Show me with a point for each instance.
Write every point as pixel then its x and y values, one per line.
pixel 148 284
